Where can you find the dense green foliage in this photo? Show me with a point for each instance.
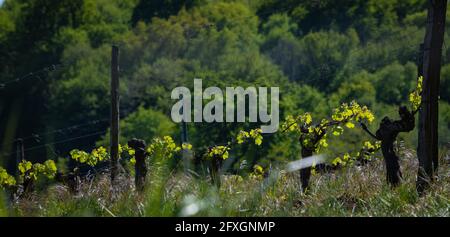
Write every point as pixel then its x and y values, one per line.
pixel 320 54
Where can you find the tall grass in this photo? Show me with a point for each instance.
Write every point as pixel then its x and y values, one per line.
pixel 352 191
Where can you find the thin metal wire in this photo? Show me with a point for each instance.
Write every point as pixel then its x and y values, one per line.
pixel 35 74
pixel 58 142
pixel 37 136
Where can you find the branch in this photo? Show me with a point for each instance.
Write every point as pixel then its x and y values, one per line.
pixel 364 127
pixel 285 129
pixel 417 110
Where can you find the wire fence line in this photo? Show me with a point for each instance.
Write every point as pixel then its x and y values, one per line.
pixel 59 142
pixel 64 130
pixel 36 74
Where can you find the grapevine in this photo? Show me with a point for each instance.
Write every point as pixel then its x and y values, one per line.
pixel 389 129
pixel 254 134
pixel 97 155
pixel 415 97
pixel 125 149
pixel 221 151
pixel 258 172
pixel 6 180
pixel 218 153
pixel 364 153
pixel 165 146
pixel 28 170
pixel 313 137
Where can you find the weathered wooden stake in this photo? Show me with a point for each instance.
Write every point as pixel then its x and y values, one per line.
pixel 20 156
pixel 428 116
pixel 140 166
pixel 114 113
pixel 20 153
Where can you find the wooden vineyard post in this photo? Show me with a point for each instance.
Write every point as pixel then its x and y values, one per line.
pixel 20 154
pixel 428 114
pixel 114 113
pixel 28 184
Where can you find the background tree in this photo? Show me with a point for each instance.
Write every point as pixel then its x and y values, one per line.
pixel 320 54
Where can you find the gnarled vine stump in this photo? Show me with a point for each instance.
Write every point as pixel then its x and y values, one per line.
pixel 305 173
pixel 215 166
pixel 387 134
pixel 140 166
pixel 72 180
